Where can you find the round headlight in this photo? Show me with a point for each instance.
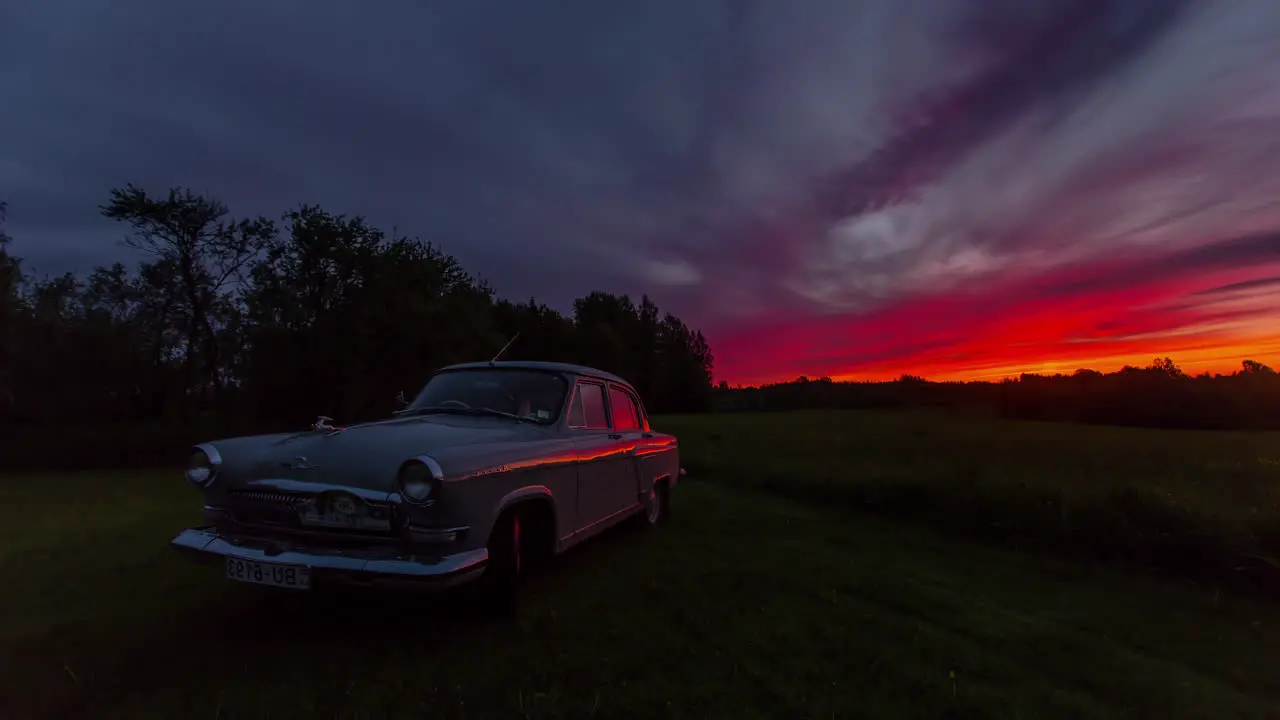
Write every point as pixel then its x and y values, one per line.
pixel 417 489
pixel 201 465
pixel 419 482
pixel 198 468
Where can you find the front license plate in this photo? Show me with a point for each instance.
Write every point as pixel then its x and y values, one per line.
pixel 297 577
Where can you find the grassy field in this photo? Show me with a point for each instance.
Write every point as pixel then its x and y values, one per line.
pixel 748 604
pixel 1203 505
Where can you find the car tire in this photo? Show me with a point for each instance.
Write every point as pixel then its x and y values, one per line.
pixel 657 506
pixel 500 583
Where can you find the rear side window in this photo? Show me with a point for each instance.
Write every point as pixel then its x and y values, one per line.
pixel 576 417
pixel 588 407
pixel 643 423
pixel 625 416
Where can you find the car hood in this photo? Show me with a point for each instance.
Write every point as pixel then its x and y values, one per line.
pixel 369 455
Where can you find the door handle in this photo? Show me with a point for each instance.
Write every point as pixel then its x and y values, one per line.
pixel 646 436
pixel 615 436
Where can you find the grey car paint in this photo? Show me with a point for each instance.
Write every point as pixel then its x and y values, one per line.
pixel 591 478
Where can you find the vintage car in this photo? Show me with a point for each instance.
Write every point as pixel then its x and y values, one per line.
pixel 492 466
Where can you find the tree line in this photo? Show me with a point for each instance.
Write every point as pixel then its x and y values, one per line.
pixel 1160 395
pixel 227 326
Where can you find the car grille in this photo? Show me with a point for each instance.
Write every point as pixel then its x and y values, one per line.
pixel 282 510
pixel 272 498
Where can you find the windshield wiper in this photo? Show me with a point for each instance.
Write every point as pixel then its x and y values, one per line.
pixel 407 412
pixel 460 411
pixel 498 413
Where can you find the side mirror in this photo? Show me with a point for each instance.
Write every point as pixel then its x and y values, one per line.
pixel 401 399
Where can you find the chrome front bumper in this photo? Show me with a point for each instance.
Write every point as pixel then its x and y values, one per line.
pixel 387 567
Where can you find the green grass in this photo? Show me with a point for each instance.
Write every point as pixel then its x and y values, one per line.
pixel 745 605
pixel 1203 505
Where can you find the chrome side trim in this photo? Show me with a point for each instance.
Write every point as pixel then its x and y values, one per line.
pixel 644 450
pixel 514 466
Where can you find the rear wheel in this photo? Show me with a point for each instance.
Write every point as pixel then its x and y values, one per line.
pixel 657 505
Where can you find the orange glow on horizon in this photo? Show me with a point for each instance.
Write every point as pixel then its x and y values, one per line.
pixel 1224 359
pixel 1204 321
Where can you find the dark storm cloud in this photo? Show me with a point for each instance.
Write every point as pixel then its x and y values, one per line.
pixel 739 160
pixel 498 129
pixel 1245 252
pixel 1243 285
pixel 1114 274
pixel 1058 49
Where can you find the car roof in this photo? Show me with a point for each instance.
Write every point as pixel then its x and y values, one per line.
pixel 558 367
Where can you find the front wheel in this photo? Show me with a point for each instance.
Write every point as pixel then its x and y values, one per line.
pixel 500 583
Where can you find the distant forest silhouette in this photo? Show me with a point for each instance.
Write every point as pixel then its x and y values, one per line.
pixel 1160 395
pixel 228 326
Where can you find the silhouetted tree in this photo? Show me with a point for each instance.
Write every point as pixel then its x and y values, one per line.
pixel 1253 367
pixel 199 253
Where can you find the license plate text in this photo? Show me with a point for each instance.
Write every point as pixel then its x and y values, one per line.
pixel 274 574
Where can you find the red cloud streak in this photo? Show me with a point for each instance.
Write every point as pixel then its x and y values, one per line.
pixel 1082 317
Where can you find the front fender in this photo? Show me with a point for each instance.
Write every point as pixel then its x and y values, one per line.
pixel 528 492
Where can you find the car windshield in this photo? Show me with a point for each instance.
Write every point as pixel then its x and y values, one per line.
pixel 522 394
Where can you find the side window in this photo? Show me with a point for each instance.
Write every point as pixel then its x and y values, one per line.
pixel 641 421
pixel 591 398
pixel 624 410
pixel 576 417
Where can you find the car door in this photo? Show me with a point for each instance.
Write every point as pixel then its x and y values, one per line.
pixel 624 412
pixel 601 462
pixel 651 457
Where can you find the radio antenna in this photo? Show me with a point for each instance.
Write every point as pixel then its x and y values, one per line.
pixel 504 348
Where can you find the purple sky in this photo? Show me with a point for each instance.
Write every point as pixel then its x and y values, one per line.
pixel 751 165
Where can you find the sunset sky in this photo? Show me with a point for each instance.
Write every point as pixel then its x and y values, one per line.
pixel 860 190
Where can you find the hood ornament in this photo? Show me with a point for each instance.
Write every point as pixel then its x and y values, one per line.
pixel 323 424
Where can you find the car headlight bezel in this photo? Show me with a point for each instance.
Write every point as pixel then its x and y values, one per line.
pixel 203 465
pixel 420 481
